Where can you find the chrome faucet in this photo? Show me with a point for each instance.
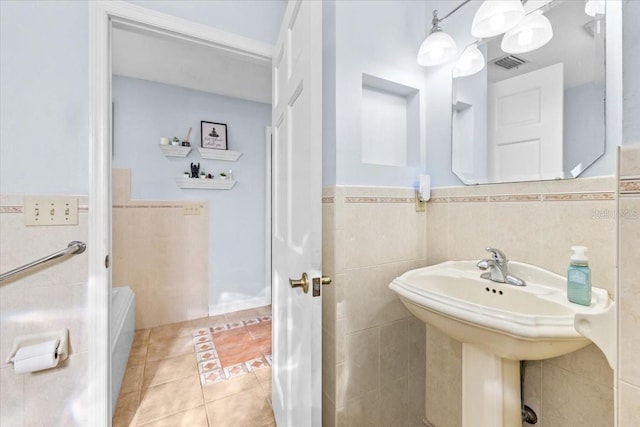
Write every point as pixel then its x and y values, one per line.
pixel 498 267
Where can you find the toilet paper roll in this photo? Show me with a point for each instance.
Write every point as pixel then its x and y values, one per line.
pixel 36 357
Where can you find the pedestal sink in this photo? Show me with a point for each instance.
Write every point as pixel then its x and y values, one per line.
pixel 498 325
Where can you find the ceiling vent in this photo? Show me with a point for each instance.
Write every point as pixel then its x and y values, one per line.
pixel 508 62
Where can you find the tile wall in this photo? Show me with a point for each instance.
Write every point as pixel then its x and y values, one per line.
pixel 162 254
pixel 48 298
pixel 535 223
pixel 373 349
pixel 629 282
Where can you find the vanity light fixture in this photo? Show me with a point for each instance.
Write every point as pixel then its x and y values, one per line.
pixel 470 62
pixel 594 7
pixel 496 17
pixel 438 48
pixel 533 32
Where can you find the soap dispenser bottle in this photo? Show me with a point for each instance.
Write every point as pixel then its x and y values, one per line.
pixel 579 277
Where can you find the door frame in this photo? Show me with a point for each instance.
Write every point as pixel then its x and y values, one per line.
pixel 101 16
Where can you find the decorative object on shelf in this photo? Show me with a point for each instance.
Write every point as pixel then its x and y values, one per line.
pixel 195 170
pixel 186 142
pixel 230 174
pixel 203 175
pixel 164 141
pixel 213 135
pixel 209 176
pixel 175 141
pixel 227 155
pixel 223 175
pixel 205 184
pixel 187 175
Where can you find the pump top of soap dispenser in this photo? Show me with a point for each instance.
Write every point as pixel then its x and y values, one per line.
pixel 579 255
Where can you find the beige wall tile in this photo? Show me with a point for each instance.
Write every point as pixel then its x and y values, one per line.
pixel 11 397
pixel 569 399
pixel 588 362
pixel 362 363
pixel 516 229
pixel 363 411
pixel 55 396
pixel 394 351
pixel 329 365
pixel 328 411
pixel 468 231
pixel 629 346
pixel 391 308
pixel 362 243
pixel 566 224
pixel 629 405
pixel 630 160
pixel 437 233
pixel 443 390
pixel 362 299
pixel 394 403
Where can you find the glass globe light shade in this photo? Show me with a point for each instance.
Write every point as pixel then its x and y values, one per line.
pixel 496 16
pixel 532 33
pixel 438 48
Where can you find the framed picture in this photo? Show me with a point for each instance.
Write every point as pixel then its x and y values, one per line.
pixel 213 135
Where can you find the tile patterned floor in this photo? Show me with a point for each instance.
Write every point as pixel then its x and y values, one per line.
pixel 229 350
pixel 163 384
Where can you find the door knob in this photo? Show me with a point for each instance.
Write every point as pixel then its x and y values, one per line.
pixel 301 283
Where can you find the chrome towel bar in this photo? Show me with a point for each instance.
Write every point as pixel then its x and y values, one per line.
pixel 74 247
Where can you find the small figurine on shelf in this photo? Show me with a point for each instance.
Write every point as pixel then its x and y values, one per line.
pixel 186 143
pixel 223 175
pixel 203 175
pixel 175 141
pixel 209 176
pixel 195 170
pixel 230 174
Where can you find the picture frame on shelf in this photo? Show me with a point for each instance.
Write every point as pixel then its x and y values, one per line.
pixel 213 135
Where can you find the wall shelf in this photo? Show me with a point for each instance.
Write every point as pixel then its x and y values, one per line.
pixel 175 150
pixel 205 184
pixel 213 154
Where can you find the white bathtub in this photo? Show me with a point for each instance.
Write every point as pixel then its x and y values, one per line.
pixel 122 325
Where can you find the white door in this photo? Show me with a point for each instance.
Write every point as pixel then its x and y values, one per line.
pixel 297 227
pixel 525 126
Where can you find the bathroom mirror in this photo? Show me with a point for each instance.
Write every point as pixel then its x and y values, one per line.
pixel 537 115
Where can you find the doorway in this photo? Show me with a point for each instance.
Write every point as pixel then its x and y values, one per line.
pixel 140 21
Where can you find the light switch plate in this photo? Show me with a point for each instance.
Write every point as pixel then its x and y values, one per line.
pixel 47 210
pixel 420 205
pixel 191 209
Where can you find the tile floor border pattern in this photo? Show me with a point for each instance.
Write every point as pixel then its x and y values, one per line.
pixel 209 366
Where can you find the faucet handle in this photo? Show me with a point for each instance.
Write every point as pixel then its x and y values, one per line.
pixel 497 255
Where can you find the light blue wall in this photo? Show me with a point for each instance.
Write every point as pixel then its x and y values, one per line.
pixel 44 97
pixel 380 39
pixel 143 112
pixel 256 19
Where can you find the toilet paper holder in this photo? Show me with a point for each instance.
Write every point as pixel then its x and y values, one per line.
pixel 25 340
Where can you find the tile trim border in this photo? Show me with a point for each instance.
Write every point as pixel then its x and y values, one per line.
pixel 497 198
pixel 19 209
pixel 629 186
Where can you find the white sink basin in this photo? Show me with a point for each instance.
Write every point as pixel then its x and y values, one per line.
pixel 499 325
pixel 519 323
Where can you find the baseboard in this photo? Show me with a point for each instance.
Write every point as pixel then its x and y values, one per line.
pixel 231 306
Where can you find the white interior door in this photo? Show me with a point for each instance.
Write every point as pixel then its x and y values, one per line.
pixel 297 227
pixel 525 125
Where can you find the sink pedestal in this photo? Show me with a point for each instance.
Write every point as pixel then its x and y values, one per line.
pixel 490 389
